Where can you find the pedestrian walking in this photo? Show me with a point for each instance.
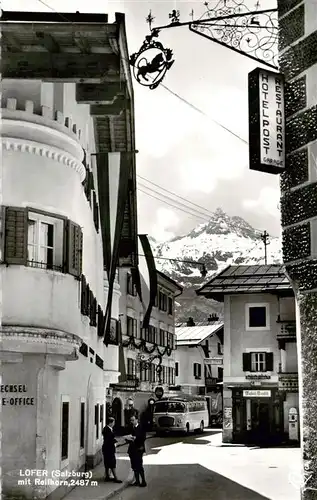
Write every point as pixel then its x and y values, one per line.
pixel 109 451
pixel 136 451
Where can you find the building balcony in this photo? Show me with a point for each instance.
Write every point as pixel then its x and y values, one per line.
pixel 287 331
pixel 288 382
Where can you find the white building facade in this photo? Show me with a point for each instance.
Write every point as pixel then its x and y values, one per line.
pixel 260 384
pixel 56 367
pixel 199 357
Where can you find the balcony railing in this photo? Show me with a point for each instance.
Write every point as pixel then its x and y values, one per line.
pixel 288 382
pixel 287 330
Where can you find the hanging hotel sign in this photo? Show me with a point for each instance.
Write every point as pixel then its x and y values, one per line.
pixel 256 394
pixel 266 121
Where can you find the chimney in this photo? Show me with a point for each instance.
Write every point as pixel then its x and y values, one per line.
pixel 190 322
pixel 213 317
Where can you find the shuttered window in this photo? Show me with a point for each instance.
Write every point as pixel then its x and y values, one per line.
pixel 197 370
pixel 40 240
pixel 257 361
pixel 75 248
pixel 176 369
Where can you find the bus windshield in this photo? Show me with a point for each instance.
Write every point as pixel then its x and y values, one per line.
pixel 169 407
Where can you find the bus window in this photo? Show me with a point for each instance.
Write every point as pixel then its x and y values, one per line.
pixel 169 407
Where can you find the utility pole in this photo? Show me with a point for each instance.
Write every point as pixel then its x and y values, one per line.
pixel 265 238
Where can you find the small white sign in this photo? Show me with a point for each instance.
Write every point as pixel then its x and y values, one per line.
pixel 213 361
pixel 256 394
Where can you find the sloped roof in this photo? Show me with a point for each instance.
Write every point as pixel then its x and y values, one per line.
pixel 194 335
pixel 246 279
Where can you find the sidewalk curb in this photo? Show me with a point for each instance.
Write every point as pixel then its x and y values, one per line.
pixel 116 492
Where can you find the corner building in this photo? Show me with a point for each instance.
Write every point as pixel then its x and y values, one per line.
pixel 260 378
pixel 56 367
pixel 298 63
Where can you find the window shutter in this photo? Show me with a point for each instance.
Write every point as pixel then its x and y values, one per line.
pixel 100 322
pixel 195 369
pixel 75 249
pixel 96 211
pixel 83 305
pixel 269 361
pixel 93 310
pixel 16 234
pixel 176 369
pixel 90 185
pixel 246 361
pixel 199 370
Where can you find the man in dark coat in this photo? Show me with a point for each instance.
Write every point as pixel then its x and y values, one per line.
pixel 136 450
pixel 109 450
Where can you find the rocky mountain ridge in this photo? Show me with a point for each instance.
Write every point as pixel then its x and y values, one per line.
pixel 222 241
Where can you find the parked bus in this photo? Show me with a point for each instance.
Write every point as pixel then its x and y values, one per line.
pixel 180 413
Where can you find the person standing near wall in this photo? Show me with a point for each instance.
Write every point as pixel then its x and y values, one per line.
pixel 109 450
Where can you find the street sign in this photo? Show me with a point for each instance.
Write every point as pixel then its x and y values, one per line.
pixel 159 392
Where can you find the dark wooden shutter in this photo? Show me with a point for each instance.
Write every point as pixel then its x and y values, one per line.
pixel 100 330
pixel 88 300
pixel 90 185
pixel 195 369
pixel 246 361
pixel 176 369
pixel 96 211
pixel 75 249
pixel 83 305
pixel 269 361
pixel 93 310
pixel 16 235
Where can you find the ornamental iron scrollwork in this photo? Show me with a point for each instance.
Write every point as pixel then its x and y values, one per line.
pixel 151 62
pixel 230 23
pixel 233 25
pixel 145 364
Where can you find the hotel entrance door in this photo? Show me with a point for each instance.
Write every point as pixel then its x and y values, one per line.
pixel 262 421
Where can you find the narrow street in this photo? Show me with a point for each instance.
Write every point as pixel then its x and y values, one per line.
pixel 200 467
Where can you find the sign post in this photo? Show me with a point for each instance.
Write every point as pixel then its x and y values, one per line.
pixel 266 121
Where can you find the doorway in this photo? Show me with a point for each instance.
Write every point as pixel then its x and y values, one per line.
pixel 261 421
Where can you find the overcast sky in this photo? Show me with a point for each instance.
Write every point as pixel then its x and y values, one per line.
pixel 180 149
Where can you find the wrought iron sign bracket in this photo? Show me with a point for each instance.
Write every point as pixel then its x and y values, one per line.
pixel 231 24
